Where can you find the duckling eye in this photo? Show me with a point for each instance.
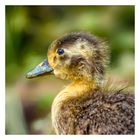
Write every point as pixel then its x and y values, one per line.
pixel 60 51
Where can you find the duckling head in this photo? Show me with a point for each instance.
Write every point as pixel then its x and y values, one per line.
pixel 75 56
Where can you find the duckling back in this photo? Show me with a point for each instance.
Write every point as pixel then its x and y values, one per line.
pixel 98 113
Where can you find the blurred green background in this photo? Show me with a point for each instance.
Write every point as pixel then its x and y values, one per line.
pixel 30 30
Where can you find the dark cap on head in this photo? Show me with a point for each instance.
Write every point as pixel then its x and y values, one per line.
pixel 74 36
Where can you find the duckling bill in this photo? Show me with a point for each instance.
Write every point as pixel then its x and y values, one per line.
pixel 87 105
pixel 42 69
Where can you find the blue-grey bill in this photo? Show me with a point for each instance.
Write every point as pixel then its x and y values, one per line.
pixel 42 69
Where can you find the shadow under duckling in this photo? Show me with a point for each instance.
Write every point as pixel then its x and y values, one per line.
pixel 85 106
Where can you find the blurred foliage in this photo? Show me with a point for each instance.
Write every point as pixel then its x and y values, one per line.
pixel 29 32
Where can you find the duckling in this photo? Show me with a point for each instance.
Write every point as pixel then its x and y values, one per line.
pixel 85 106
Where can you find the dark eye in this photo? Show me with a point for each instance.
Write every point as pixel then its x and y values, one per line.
pixel 60 51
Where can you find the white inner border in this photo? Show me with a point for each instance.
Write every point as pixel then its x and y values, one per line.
pixel 70 2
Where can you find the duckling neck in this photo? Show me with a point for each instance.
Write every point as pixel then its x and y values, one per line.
pixel 75 89
pixel 78 88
